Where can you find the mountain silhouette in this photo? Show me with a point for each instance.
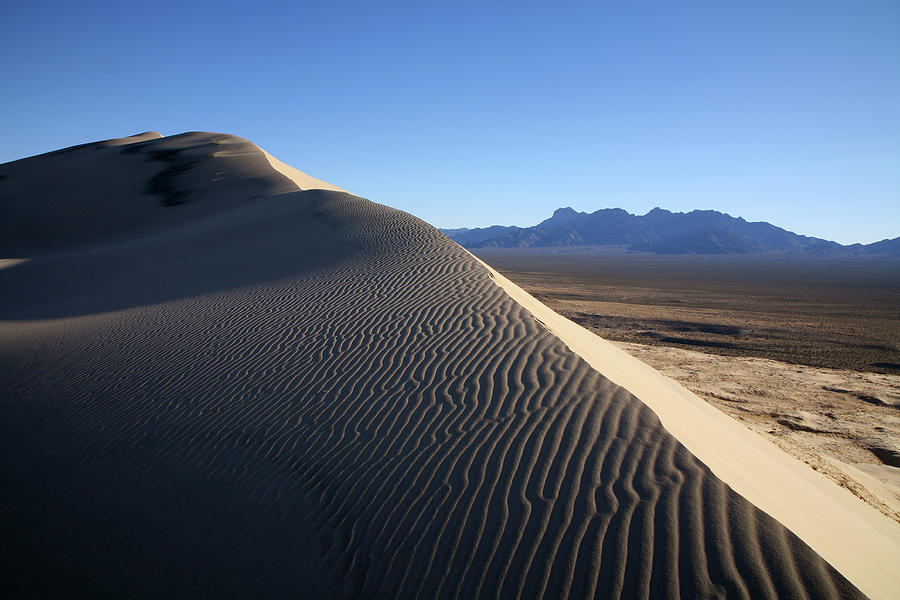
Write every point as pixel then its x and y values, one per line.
pixel 662 232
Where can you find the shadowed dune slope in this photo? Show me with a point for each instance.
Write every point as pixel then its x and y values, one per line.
pixel 370 417
pixel 113 190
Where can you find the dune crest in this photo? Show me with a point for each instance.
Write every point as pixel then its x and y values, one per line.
pixel 303 181
pixel 115 190
pixel 304 393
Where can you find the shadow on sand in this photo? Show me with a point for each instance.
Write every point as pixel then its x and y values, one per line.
pixel 267 240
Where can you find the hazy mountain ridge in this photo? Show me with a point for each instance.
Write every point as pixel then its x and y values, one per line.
pixel 663 232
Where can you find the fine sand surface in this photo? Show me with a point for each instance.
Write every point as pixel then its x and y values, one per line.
pixel 216 384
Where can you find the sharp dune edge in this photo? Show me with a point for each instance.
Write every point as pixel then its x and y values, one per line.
pixel 303 181
pixel 218 384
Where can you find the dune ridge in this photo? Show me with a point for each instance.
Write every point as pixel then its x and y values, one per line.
pixel 374 418
pixel 862 543
pixel 301 179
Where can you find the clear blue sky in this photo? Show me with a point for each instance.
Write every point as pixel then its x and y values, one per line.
pixel 470 115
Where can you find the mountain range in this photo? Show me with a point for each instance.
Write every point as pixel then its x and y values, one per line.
pixel 663 232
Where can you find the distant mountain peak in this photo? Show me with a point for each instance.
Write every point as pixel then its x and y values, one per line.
pixel 662 231
pixel 565 211
pixel 657 211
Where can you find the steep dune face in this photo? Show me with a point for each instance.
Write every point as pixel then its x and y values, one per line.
pixel 311 395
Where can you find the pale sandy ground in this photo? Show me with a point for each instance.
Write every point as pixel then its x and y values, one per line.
pixel 844 424
pixel 218 384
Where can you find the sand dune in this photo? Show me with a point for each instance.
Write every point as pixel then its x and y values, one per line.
pixel 248 389
pixel 108 191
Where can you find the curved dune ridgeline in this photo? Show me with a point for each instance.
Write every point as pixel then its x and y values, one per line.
pixel 307 394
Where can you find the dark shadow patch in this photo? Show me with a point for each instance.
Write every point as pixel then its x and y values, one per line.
pixel 696 327
pixel 836 390
pixel 887 456
pixel 705 343
pixel 875 400
pixel 798 425
pixel 887 365
pixel 163 184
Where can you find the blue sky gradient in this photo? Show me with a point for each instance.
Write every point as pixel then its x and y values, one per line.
pixel 470 115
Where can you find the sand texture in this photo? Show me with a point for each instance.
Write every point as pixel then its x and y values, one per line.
pixel 250 390
pixel 844 424
pixel 741 311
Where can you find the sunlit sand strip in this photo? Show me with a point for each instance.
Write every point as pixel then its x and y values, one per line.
pixel 858 541
pixel 303 181
pixel 6 263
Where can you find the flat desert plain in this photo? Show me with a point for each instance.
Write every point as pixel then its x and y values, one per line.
pixel 222 377
pixel 804 352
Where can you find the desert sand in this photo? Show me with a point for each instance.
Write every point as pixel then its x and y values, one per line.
pixel 220 379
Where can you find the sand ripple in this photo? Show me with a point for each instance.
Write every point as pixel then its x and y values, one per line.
pixel 388 425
